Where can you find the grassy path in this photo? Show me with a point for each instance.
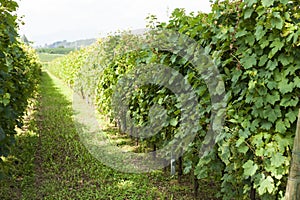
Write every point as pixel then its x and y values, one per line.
pixel 49 161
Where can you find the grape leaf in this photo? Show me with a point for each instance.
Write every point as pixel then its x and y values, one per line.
pixel 285 87
pixel 280 126
pixel 173 122
pixel 250 168
pixel 277 160
pixel 266 185
pixel 267 3
pixel 249 61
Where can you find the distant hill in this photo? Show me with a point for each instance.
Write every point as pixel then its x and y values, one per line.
pixel 82 43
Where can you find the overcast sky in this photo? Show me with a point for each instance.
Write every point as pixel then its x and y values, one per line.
pixel 47 21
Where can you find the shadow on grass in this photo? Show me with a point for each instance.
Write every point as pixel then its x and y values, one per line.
pixel 50 161
pixel 18 167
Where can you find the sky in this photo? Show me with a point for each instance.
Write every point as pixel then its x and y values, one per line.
pixel 48 21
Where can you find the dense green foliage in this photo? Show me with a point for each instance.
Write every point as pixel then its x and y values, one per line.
pixel 257 49
pixel 19 75
pixel 255 44
pixel 71 65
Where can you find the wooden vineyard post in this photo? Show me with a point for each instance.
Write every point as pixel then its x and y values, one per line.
pixel 293 184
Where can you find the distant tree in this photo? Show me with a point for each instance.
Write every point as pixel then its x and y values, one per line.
pixel 24 39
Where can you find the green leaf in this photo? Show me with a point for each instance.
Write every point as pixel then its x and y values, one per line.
pixel 290 71
pixel 259 152
pixel 187 167
pixel 260 32
pixel 244 133
pixel 250 168
pixel 285 59
pixel 200 171
pixel 254 125
pixel 283 142
pixel 285 87
pixel 243 148
pixel 270 149
pixel 160 101
pixel 173 58
pixel 264 43
pixel 272 84
pixel 280 126
pixel 277 21
pixel 249 61
pixel 236 75
pixel 251 2
pixel 257 140
pixel 272 114
pixel 266 185
pixel 258 101
pixel 225 153
pixel 272 98
pixel 173 122
pixel 297 82
pixel 266 125
pixel 250 39
pixel 241 33
pixel 284 2
pixel 277 160
pixel 248 13
pixel 263 60
pixel 267 3
pixel 5 99
pixel 252 84
pixel 292 115
pixel 276 45
pixel 289 100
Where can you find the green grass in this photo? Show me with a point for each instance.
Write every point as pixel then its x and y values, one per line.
pixel 47 57
pixel 19 167
pixel 50 162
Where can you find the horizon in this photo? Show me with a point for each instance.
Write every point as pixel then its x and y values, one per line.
pixel 49 21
